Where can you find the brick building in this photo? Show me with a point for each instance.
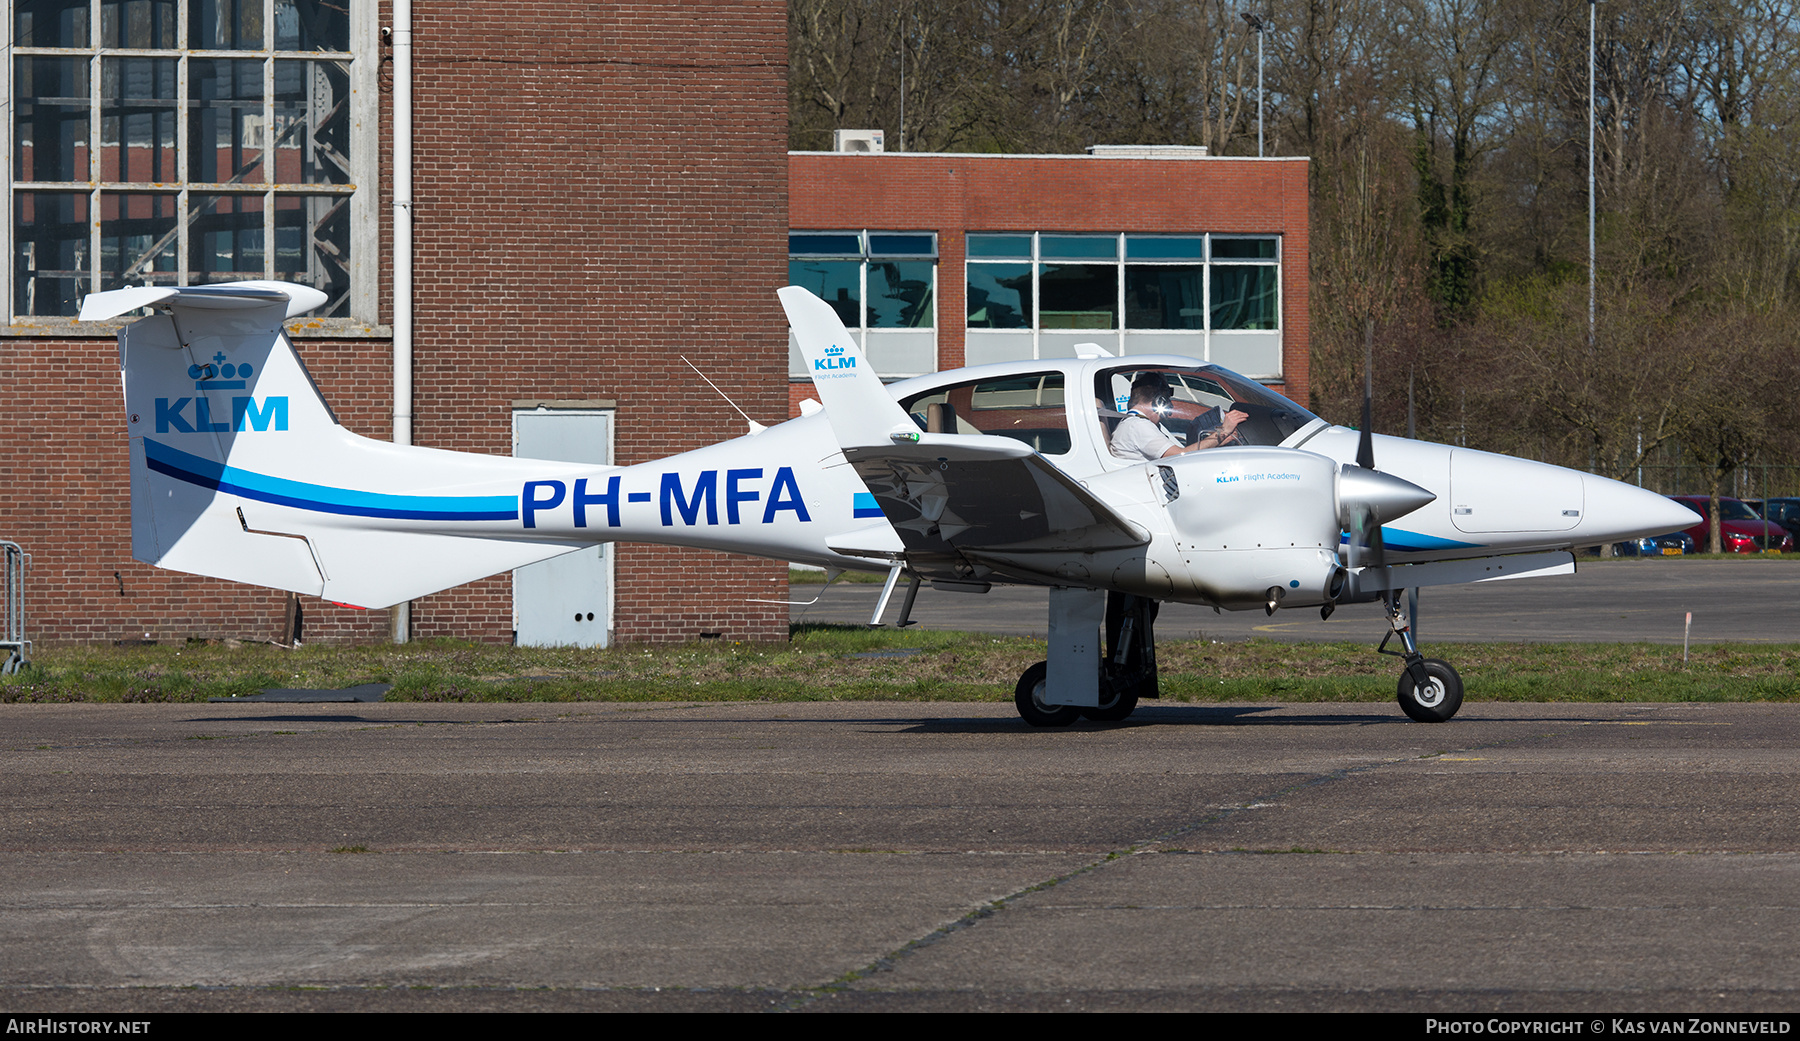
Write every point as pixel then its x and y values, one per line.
pixel 939 261
pixel 598 189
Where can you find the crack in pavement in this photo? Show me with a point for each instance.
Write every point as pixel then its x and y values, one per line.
pixel 887 962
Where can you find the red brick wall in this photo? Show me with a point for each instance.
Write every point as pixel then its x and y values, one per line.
pixel 67 501
pixel 599 189
pixel 955 194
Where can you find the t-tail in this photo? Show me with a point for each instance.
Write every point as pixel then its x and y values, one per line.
pixel 240 471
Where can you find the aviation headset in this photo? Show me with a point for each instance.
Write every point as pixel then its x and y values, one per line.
pixel 1162 400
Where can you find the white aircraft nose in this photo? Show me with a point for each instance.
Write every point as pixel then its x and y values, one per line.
pixel 1614 511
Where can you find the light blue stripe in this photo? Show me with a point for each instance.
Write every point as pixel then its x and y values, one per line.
pixel 1412 541
pixel 326 499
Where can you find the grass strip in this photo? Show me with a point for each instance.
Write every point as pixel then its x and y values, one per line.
pixel 853 663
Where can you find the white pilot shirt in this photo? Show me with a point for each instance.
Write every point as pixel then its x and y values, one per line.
pixel 1137 437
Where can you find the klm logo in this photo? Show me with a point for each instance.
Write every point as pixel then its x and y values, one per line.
pixel 246 415
pixel 835 358
pixel 207 377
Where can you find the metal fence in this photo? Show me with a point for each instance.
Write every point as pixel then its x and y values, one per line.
pixel 13 644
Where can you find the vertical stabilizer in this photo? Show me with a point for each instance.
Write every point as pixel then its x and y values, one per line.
pixel 861 411
pixel 240 471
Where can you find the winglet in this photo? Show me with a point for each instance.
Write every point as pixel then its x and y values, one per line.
pixel 861 411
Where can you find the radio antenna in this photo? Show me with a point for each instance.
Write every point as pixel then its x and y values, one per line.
pixel 755 427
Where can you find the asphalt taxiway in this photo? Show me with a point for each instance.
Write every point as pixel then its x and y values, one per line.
pixel 826 857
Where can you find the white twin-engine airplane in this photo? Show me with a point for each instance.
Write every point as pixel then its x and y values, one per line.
pixel 1001 473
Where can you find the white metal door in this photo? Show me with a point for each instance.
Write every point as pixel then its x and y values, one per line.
pixel 565 601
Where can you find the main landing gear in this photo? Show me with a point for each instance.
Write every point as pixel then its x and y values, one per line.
pixel 1430 690
pixel 1126 674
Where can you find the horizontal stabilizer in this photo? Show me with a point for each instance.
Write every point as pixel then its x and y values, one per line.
pixel 230 296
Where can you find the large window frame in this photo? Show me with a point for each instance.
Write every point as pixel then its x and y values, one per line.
pixel 237 139
pixel 898 334
pixel 1214 296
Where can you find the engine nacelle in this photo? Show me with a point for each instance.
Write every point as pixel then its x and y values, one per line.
pixel 1255 527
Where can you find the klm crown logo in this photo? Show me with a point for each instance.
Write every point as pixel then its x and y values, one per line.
pixel 835 358
pixel 219 375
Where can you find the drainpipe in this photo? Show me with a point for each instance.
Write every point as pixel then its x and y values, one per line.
pixel 401 616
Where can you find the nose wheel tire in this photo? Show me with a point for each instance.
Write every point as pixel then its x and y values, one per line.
pixel 1029 697
pixel 1437 699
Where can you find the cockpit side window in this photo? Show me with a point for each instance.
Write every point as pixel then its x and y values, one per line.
pixel 1028 408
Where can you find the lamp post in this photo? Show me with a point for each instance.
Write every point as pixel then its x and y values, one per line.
pixel 1591 6
pixel 1259 27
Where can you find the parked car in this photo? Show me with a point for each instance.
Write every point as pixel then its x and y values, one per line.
pixel 1785 512
pixel 1674 544
pixel 1740 529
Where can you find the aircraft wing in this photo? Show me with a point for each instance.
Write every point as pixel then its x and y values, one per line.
pixel 957 491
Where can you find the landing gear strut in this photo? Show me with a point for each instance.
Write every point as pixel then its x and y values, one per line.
pixel 1129 671
pixel 1430 690
pixel 1126 673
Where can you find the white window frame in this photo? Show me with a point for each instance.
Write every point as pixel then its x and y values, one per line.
pixel 797 370
pixel 1204 337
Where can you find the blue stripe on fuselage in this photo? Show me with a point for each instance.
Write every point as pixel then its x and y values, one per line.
pixel 321 498
pixel 1412 541
pixel 864 505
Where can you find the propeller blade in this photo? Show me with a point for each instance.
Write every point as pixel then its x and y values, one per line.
pixel 1365 445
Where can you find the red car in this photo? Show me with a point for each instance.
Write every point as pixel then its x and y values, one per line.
pixel 1740 529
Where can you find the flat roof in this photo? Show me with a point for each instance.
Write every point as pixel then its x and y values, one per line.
pixel 1107 157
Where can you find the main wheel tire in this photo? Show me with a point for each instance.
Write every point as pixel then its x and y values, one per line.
pixel 1438 700
pixel 1029 697
pixel 1123 704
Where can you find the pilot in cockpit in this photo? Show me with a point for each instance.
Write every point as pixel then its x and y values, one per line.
pixel 1140 436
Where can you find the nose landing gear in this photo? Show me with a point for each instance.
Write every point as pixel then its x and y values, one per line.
pixel 1430 690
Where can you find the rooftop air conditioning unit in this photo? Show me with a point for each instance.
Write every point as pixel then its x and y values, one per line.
pixel 857 141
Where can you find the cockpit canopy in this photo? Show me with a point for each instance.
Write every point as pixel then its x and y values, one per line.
pixel 1033 407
